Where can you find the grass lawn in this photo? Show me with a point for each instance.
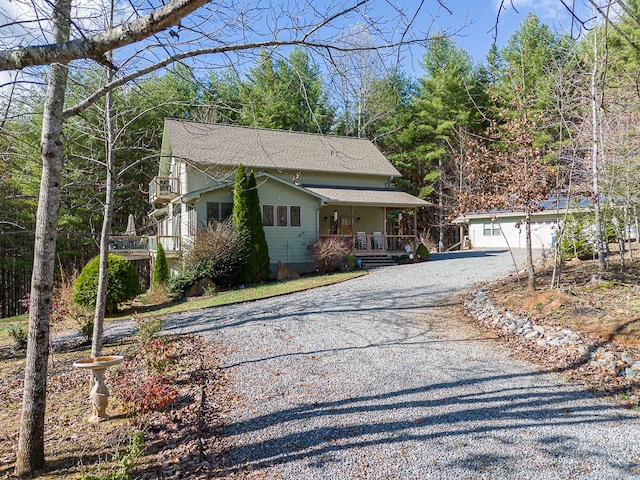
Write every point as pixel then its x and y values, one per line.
pixel 145 307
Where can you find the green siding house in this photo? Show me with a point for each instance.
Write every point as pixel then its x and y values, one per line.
pixel 310 186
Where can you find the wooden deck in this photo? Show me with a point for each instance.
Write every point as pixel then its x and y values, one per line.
pixel 141 248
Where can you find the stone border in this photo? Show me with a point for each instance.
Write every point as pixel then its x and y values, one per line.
pixel 482 308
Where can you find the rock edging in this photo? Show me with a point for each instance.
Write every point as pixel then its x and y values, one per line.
pixel 619 364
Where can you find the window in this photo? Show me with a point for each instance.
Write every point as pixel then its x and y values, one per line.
pixel 490 228
pixel 281 215
pixel 267 215
pixel 294 216
pixel 219 211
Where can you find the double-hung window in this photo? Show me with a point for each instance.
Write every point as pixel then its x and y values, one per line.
pixel 490 228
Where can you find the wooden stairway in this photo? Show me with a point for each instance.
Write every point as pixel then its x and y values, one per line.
pixel 375 261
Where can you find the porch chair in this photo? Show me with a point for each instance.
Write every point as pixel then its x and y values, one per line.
pixel 377 240
pixel 361 240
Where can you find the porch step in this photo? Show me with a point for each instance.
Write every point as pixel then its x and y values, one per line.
pixel 375 261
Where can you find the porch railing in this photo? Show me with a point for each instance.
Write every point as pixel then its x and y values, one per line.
pixel 371 243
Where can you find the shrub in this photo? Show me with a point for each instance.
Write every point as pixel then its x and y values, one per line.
pixel 330 253
pixel 64 309
pixel 149 328
pixel 123 283
pixel 142 392
pixel 576 247
pixel 19 336
pixel 160 268
pixel 574 243
pixel 158 354
pixel 216 253
pixel 422 253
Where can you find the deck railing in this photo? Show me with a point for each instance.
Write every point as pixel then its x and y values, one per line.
pixel 128 242
pixel 121 243
pixel 163 189
pixel 170 243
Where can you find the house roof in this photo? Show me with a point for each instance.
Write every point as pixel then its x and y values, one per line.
pixel 259 177
pixel 372 197
pixel 256 148
pixel 551 206
pixel 351 196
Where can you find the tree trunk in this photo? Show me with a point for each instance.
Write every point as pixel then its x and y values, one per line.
pixel 531 273
pixel 595 155
pixel 103 275
pixel 30 454
pixel 440 209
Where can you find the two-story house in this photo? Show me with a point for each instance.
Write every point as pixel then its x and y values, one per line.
pixel 310 186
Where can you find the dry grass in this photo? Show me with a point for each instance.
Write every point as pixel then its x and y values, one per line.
pixel 606 308
pixel 78 449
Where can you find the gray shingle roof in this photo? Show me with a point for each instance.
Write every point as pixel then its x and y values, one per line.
pixel 256 148
pixel 369 197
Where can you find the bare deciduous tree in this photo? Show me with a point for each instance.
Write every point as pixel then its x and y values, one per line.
pixel 149 36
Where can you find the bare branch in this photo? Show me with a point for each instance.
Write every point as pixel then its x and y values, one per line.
pixel 96 46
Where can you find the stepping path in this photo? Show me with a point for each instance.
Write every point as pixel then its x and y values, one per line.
pixel 375 378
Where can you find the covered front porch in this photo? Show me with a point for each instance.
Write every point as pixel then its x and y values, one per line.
pixel 378 222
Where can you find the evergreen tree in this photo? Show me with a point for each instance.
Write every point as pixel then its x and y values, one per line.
pixel 444 101
pixel 241 220
pixel 260 249
pixel 248 222
pixel 160 268
pixel 286 94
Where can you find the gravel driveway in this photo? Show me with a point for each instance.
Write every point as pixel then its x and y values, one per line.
pixel 374 378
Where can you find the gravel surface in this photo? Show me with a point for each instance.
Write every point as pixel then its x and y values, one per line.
pixel 374 378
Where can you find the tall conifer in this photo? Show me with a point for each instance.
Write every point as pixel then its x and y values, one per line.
pixel 240 217
pixel 259 247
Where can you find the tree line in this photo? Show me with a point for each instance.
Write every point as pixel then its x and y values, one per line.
pixel 503 133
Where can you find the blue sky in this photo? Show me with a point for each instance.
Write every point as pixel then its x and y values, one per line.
pixel 480 18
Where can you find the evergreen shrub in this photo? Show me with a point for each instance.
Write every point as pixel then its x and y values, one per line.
pixel 574 243
pixel 160 268
pixel 123 283
pixel 422 253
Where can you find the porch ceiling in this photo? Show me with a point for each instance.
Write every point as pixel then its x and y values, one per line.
pixel 388 198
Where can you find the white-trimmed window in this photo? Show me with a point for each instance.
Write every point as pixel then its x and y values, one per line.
pixel 490 228
pixel 219 211
pixel 281 215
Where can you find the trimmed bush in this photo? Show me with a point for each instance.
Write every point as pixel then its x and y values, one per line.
pixel 422 253
pixel 160 268
pixel 123 283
